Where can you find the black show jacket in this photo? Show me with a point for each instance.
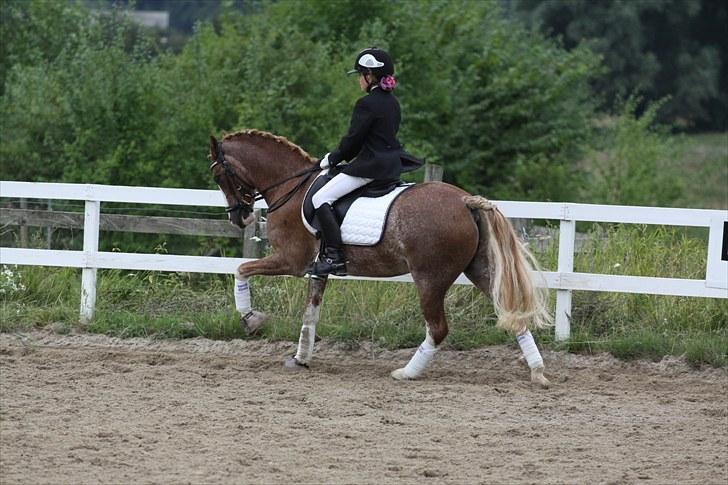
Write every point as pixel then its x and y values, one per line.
pixel 371 143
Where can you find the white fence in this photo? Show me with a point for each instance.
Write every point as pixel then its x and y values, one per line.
pixel 564 280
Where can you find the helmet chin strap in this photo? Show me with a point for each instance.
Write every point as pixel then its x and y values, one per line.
pixel 371 84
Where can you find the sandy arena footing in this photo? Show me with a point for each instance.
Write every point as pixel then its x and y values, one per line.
pixel 83 409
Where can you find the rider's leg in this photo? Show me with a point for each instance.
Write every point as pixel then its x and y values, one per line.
pixel 336 188
pixel 331 232
pixel 332 261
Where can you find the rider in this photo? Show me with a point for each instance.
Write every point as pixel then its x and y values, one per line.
pixel 370 145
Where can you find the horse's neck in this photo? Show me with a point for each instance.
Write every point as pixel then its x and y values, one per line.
pixel 270 164
pixel 286 222
pixel 271 178
pixel 269 167
pixel 293 189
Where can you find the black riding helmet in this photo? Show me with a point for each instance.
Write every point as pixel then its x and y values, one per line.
pixel 375 61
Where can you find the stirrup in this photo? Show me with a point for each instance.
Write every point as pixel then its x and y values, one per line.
pixel 324 266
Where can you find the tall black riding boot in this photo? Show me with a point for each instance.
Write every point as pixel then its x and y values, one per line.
pixel 332 260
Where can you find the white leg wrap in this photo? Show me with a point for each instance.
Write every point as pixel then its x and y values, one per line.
pixel 308 334
pixel 242 295
pixel 529 349
pixel 422 357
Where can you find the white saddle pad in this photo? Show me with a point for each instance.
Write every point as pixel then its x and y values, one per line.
pixel 364 222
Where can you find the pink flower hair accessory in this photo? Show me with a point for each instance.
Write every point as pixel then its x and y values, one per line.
pixel 388 83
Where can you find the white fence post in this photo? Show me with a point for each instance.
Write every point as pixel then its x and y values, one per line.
pixel 92 215
pixel 567 236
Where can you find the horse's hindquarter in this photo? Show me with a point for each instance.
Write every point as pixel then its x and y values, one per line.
pixel 429 229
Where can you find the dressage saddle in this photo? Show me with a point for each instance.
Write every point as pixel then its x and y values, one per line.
pixel 341 207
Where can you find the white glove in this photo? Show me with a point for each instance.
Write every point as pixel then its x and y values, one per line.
pixel 324 162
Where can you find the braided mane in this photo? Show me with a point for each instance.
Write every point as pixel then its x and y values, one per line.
pixel 270 136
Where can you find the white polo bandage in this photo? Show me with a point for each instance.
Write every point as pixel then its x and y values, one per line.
pixel 242 295
pixel 421 359
pixel 308 333
pixel 529 349
pixel 306 341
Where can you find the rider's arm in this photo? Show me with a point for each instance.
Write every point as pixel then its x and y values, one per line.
pixel 351 143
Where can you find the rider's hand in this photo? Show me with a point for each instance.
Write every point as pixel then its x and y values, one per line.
pixel 324 164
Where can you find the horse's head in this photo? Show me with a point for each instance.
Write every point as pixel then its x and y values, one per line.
pixel 252 162
pixel 233 179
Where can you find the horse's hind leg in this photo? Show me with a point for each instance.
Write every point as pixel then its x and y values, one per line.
pixel 479 274
pixel 316 287
pixel 432 302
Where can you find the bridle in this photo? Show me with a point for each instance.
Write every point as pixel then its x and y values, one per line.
pixel 245 195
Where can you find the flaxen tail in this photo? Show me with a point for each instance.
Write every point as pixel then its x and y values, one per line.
pixel 519 303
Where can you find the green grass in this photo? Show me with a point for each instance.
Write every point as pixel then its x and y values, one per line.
pixel 180 305
pixel 699 349
pixel 703 167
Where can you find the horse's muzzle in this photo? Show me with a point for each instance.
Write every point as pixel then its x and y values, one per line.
pixel 236 218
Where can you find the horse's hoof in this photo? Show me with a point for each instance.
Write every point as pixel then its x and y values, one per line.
pixel 292 364
pixel 399 375
pixel 253 321
pixel 537 377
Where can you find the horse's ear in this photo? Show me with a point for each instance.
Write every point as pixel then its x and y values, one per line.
pixel 213 148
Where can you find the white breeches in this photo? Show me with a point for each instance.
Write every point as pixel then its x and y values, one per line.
pixel 336 188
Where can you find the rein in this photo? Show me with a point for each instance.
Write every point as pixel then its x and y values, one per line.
pixel 246 197
pixel 306 174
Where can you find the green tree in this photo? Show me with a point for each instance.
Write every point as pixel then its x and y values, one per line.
pixel 658 48
pixel 474 91
pixel 83 114
pixel 503 110
pixel 36 31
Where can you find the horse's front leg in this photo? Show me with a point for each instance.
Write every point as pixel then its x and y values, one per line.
pixel 316 287
pixel 273 265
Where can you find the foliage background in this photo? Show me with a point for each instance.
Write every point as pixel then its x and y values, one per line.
pixel 89 97
pixel 661 48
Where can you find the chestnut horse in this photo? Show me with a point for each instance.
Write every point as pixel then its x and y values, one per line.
pixel 434 231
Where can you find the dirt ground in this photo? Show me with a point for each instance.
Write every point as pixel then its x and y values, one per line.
pixel 93 409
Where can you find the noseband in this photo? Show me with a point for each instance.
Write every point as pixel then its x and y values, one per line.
pixel 245 195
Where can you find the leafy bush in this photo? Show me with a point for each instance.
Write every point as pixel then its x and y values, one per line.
pixel 635 165
pixel 48 29
pixel 83 115
pixel 500 108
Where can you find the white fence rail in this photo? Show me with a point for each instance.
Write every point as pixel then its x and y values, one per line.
pixel 564 280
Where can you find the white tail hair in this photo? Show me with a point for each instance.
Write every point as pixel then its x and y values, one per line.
pixel 518 302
